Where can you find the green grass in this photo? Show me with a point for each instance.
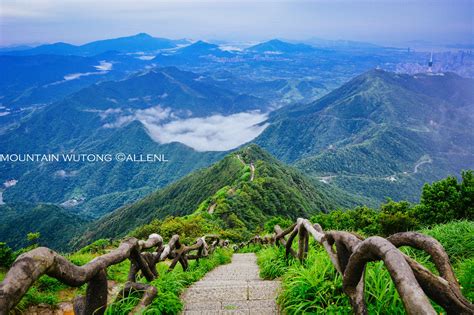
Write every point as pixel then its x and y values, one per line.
pixel 465 273
pixel 251 248
pixel 314 286
pixel 170 285
pixel 456 238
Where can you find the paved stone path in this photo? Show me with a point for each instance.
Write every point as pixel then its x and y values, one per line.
pixel 235 288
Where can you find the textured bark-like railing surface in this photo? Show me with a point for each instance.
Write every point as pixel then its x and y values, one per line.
pixel 31 265
pixel 350 253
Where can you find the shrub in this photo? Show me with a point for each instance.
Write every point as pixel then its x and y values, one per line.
pixel 396 217
pixel 98 247
pixel 283 222
pixel 6 255
pixel 447 200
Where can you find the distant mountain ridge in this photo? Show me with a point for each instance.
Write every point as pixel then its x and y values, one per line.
pixel 141 42
pixel 368 135
pixel 276 45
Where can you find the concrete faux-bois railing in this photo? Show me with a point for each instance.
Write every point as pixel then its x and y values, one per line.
pixel 30 266
pixel 349 253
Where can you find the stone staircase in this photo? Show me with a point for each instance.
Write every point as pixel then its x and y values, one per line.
pixel 235 288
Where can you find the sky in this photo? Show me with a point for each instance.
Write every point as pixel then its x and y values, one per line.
pixel 377 21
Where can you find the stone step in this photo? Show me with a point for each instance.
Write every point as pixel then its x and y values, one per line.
pixel 258 311
pixel 258 290
pixel 233 289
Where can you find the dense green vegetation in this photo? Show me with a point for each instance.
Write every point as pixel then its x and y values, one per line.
pixel 80 123
pixel 380 135
pixel 441 202
pixel 241 208
pixel 224 196
pixel 55 225
pixel 314 286
pixel 104 186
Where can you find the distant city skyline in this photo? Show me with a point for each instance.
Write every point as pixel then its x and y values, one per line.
pixel 385 22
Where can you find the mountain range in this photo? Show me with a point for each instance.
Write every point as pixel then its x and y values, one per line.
pixel 138 43
pixel 115 116
pixel 359 136
pixel 382 134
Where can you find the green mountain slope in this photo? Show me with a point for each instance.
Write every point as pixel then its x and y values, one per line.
pixel 55 225
pixel 382 134
pixel 108 118
pixel 229 193
pixel 105 186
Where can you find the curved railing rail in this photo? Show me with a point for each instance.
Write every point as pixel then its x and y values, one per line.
pixel 31 265
pixel 350 253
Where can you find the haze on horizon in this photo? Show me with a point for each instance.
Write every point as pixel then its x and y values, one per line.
pixel 383 22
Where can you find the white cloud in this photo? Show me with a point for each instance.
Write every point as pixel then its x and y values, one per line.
pixel 152 115
pixel 104 66
pixel 146 58
pixel 213 133
pixel 10 183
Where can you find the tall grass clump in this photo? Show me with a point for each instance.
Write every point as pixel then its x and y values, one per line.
pixel 457 238
pixel 313 287
pixel 272 262
pixel 465 273
pixel 251 248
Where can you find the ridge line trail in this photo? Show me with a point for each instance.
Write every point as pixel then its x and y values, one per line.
pixel 235 288
pixel 251 165
pixel 212 207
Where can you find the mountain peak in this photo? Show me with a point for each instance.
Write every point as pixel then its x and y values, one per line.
pixel 281 46
pixel 142 35
pixel 276 41
pixel 201 43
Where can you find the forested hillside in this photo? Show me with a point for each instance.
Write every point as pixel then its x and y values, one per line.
pixel 380 135
pixel 239 192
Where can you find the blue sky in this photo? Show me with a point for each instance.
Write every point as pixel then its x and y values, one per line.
pixel 379 21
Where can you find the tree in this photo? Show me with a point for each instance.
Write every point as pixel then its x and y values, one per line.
pixel 447 200
pixel 467 195
pixel 396 217
pixel 281 221
pixel 32 237
pixel 6 255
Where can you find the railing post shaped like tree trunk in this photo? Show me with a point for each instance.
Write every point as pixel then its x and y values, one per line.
pixel 413 282
pixel 31 265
